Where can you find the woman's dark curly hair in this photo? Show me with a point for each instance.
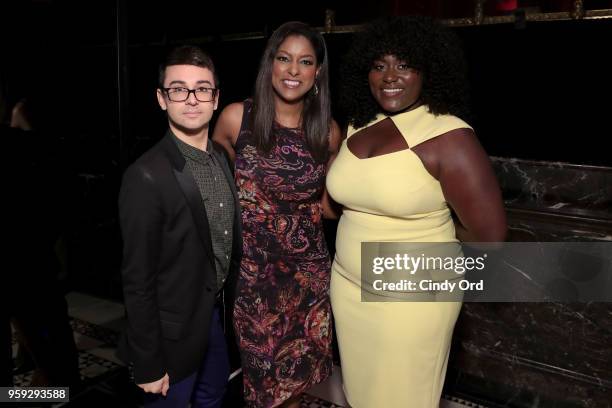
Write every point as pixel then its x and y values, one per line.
pixel 427 46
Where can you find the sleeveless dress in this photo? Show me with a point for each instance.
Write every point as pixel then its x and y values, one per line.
pixel 393 354
pixel 282 313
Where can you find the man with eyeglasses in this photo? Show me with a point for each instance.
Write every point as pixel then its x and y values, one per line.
pixel 180 222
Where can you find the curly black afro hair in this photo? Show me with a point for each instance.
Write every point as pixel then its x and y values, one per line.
pixel 427 46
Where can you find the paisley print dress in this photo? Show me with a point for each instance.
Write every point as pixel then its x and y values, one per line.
pixel 282 313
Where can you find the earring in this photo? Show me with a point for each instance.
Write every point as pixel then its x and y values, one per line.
pixel 316 89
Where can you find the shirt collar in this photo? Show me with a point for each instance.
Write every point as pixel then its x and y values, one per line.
pixel 194 153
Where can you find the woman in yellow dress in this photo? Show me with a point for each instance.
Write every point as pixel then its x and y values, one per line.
pixel 408 163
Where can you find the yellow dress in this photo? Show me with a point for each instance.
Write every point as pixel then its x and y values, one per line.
pixel 393 354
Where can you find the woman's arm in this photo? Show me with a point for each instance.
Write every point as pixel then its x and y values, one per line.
pixel 228 127
pixel 469 184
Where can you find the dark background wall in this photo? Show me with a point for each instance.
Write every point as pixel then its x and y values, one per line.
pixel 539 92
pixel 537 88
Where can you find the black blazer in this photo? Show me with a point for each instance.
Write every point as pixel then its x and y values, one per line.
pixel 168 267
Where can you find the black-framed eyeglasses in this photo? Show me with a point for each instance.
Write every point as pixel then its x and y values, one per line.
pixel 202 94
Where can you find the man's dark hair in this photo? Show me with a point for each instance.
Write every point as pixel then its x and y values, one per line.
pixel 187 55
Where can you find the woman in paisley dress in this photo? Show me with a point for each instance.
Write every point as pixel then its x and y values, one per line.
pixel 281 142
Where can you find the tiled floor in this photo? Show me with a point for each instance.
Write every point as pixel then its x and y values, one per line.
pixel 96 324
